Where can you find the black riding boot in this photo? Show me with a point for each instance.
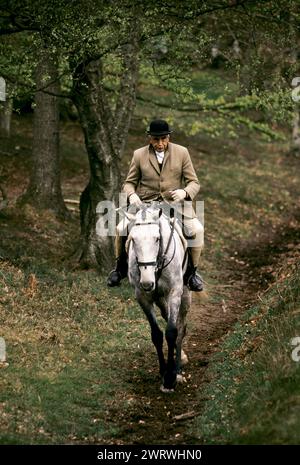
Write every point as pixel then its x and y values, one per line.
pixel 195 282
pixel 121 269
pixel 191 279
pixel 118 273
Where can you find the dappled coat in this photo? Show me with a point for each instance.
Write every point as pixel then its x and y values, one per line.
pixel 177 172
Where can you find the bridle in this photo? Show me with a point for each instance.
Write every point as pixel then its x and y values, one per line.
pixel 146 263
pixel 161 258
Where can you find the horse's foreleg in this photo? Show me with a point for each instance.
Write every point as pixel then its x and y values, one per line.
pixel 170 374
pixel 157 337
pixel 156 333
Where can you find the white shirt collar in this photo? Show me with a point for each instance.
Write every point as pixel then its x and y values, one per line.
pixel 160 156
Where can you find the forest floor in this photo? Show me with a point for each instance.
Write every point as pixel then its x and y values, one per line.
pixel 91 371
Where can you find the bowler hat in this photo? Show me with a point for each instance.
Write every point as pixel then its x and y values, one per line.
pixel 159 127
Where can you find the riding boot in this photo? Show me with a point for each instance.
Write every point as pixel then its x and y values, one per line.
pixel 195 282
pixel 192 279
pixel 121 269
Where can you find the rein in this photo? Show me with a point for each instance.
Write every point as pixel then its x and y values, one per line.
pixel 161 265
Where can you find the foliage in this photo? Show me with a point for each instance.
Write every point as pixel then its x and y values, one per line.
pixel 17 61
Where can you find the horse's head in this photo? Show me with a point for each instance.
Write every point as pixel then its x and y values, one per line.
pixel 145 237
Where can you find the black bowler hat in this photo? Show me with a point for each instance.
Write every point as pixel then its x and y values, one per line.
pixel 159 127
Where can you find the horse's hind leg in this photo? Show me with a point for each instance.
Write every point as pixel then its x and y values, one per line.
pixel 172 338
pixel 181 357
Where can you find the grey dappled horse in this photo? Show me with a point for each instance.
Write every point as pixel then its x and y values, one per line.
pixel 156 254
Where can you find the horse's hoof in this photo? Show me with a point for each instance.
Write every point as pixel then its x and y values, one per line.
pixel 166 390
pixel 180 379
pixel 184 358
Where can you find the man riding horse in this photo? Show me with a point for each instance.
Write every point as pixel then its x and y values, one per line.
pixel 162 171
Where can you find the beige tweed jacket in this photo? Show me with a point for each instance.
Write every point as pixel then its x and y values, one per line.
pixel 177 172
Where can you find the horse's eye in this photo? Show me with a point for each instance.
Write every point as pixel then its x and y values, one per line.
pixel 157 239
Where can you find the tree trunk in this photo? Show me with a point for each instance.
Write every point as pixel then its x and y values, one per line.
pixel 104 180
pixel 105 131
pixel 44 190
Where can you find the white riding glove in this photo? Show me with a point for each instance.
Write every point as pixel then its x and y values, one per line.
pixel 135 200
pixel 178 195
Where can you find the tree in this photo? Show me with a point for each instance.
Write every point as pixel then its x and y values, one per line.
pixel 44 190
pixel 30 67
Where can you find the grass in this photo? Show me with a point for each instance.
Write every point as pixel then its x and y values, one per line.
pixel 253 397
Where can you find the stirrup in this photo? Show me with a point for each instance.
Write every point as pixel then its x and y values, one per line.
pixel 120 272
pixel 195 282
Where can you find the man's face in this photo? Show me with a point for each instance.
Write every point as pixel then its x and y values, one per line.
pixel 160 143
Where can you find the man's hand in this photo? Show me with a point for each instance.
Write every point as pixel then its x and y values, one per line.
pixel 178 195
pixel 135 200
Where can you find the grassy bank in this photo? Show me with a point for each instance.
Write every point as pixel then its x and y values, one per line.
pixel 68 343
pixel 253 393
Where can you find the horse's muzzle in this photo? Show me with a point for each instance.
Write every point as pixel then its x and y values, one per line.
pixel 147 286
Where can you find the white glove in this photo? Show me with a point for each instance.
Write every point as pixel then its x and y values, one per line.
pixel 135 200
pixel 178 195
